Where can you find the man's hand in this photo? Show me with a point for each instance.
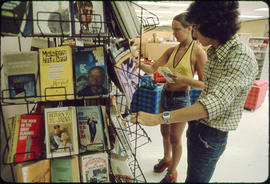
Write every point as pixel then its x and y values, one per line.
pixel 147 119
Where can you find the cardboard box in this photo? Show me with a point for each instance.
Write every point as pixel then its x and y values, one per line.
pixel 256 95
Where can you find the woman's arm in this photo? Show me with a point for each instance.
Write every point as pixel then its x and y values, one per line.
pixel 150 69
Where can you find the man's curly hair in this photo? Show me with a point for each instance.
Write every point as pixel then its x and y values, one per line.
pixel 216 19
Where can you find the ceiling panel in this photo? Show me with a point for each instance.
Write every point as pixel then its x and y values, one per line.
pixel 166 10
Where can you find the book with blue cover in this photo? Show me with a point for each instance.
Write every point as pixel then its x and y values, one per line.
pixel 91 128
pixel 90 72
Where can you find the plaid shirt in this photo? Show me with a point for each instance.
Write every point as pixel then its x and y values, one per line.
pixel 229 74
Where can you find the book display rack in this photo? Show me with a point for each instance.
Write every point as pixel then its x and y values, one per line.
pixel 74 128
pixel 259 45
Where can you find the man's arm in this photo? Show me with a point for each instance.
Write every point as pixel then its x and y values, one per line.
pixel 193 112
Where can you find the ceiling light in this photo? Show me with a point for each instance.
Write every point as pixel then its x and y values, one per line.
pixel 155 11
pixel 162 3
pixel 262 9
pixel 165 23
pixel 250 16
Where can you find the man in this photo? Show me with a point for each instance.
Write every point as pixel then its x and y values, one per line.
pixel 154 39
pixel 96 79
pixel 84 15
pixel 229 73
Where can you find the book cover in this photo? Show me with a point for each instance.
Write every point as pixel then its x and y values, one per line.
pixel 9 125
pixel 51 18
pixel 27 26
pixel 56 73
pixel 34 172
pixel 164 71
pixel 95 168
pixel 28 137
pixel 125 18
pixel 65 169
pixel 90 72
pixel 118 48
pixel 91 132
pixel 88 18
pixel 121 133
pixel 61 132
pixel 106 122
pixel 21 77
pixel 40 43
pixel 13 138
pixel 127 75
pixel 120 169
pixel 13 14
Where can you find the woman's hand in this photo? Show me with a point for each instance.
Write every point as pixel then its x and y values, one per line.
pixel 178 78
pixel 147 119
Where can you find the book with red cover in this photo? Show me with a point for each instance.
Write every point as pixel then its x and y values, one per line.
pixel 29 137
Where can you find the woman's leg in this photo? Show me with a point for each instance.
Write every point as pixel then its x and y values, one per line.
pixel 167 148
pixel 176 131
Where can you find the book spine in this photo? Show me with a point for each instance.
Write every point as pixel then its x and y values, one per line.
pixel 105 124
pixel 14 138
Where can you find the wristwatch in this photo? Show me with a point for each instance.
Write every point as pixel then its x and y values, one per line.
pixel 166 116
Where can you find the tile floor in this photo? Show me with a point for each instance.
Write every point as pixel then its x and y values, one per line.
pixel 244 160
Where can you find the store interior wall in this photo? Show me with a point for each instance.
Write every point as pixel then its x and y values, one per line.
pixel 254 28
pixel 257 28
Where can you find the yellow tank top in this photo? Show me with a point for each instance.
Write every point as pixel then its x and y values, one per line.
pixel 184 65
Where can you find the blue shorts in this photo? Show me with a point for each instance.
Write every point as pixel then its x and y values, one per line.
pixel 174 100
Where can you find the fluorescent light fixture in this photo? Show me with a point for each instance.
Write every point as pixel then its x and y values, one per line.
pixel 159 11
pixel 148 15
pixel 262 9
pixel 155 3
pixel 165 23
pixel 250 16
pixel 153 11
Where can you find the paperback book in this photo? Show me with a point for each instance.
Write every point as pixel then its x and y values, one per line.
pixel 91 131
pixel 21 77
pixel 90 72
pixel 95 168
pixel 120 169
pixel 34 172
pixel 65 169
pixel 28 138
pixel 164 71
pixel 121 134
pixel 56 73
pixel 106 122
pixel 126 19
pixel 13 17
pixel 51 18
pixel 88 18
pixel 61 132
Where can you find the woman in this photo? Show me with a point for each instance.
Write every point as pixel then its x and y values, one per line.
pixel 183 60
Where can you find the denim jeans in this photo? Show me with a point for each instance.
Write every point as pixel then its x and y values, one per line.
pixel 203 153
pixel 170 103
